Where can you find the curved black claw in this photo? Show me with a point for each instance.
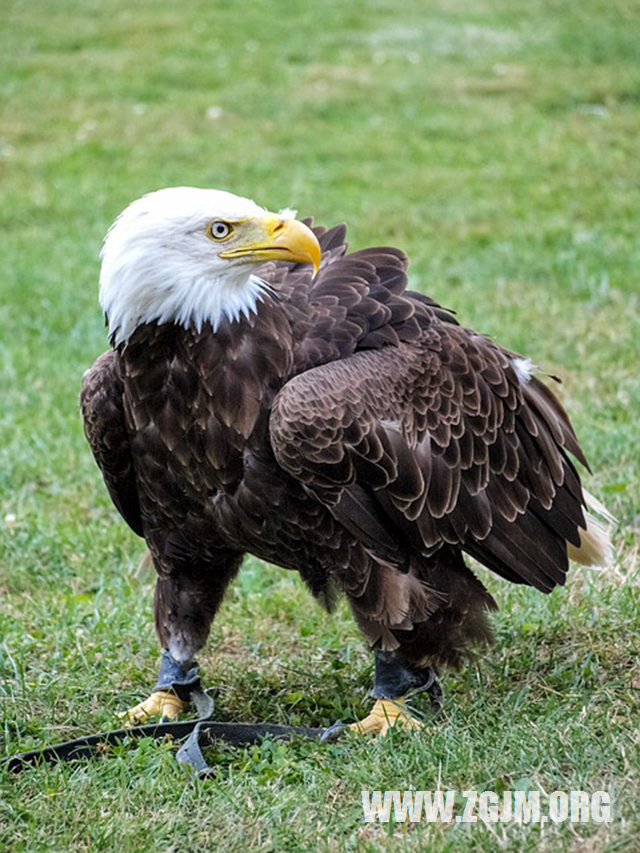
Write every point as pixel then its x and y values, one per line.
pixel 385 715
pixel 394 678
pixel 332 734
pixel 434 691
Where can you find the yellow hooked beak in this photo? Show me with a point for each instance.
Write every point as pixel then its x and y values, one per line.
pixel 273 238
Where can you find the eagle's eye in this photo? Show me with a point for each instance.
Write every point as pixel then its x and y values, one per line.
pixel 219 230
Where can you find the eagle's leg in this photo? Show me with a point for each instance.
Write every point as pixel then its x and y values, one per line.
pixel 186 601
pixel 394 680
pixel 444 639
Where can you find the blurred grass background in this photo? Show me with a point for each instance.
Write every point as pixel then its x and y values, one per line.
pixel 497 143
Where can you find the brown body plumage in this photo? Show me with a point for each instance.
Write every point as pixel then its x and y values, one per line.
pixel 350 430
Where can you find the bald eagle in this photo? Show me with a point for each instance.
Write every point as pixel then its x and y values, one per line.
pixel 268 393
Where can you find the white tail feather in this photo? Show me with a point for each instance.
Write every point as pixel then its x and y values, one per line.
pixel 595 547
pixel 594 504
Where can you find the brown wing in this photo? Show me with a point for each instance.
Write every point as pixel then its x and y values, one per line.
pixel 434 442
pixel 357 301
pixel 101 404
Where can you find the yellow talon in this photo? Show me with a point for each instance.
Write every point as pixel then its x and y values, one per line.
pixel 161 703
pixel 385 714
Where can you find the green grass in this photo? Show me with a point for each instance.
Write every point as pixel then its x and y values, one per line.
pixel 496 142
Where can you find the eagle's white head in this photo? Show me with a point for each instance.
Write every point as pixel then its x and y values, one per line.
pixel 187 256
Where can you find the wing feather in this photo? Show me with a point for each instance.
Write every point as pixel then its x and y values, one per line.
pixel 102 406
pixel 441 442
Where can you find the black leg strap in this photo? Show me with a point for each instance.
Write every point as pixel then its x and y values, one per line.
pixel 394 679
pixel 206 732
pixel 174 677
pixel 199 733
pixel 185 683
